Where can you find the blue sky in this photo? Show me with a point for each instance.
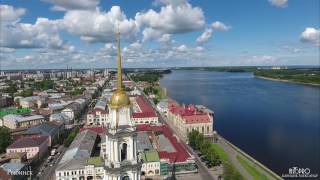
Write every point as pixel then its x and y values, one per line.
pixel 158 33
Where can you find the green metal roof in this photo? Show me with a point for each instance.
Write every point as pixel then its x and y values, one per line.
pixel 150 156
pixel 13 110
pixel 96 161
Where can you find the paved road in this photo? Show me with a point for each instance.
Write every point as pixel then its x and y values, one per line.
pixel 48 173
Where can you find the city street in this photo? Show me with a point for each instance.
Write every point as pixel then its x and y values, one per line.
pixel 47 171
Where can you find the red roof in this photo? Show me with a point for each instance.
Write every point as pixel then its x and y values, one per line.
pixel 32 141
pixel 181 153
pixel 145 107
pixel 98 130
pixel 188 113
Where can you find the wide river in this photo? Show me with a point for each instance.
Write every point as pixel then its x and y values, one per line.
pixel 276 123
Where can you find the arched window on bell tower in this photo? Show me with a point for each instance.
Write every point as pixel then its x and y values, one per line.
pixel 123 151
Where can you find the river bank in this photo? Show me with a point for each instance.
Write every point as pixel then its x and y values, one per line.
pixel 262 118
pixel 287 81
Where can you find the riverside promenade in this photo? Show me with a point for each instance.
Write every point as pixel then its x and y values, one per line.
pixel 235 153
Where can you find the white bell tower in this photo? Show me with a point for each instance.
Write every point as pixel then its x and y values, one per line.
pixel 121 138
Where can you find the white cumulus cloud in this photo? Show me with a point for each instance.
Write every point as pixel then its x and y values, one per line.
pixel 279 3
pixel 220 26
pixel 311 35
pixel 171 19
pixel 63 5
pixel 205 36
pixel 10 14
pixel 99 26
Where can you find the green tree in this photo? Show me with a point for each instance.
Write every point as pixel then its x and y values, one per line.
pixel 199 140
pixel 71 137
pixel 192 138
pixel 205 147
pixel 12 88
pixel 230 173
pixel 26 93
pixel 5 139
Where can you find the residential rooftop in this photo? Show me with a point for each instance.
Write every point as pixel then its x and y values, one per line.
pixel 81 146
pixel 96 161
pixel 142 108
pixel 143 142
pixel 47 128
pixel 179 155
pixel 24 142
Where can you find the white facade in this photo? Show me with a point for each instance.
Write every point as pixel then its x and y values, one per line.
pixel 121 146
pixel 68 112
pixel 151 168
pixel 98 118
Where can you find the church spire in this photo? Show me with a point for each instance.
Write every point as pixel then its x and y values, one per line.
pixel 119 68
pixel 119 98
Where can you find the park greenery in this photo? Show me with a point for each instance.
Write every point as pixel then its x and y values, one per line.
pixel 292 75
pixel 26 93
pixel 214 155
pixel 296 75
pixel 5 139
pixel 198 142
pixel 71 136
pixel 155 90
pixel 150 77
pixel 78 91
pixel 251 170
pixel 44 85
pixel 12 88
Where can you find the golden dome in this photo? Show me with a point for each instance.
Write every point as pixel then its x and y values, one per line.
pixel 119 99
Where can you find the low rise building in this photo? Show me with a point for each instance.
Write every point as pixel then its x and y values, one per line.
pixel 35 146
pixel 99 115
pixel 77 161
pixel 13 121
pixel 81 147
pixel 142 111
pixel 151 163
pixel 14 171
pixel 172 154
pixel 188 118
pixel 32 102
pixel 71 110
pixel 53 130
pixel 162 106
pixel 60 117
pixel 84 168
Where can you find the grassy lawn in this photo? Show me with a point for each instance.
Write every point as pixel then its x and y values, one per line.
pixel 222 154
pixel 251 169
pixel 160 93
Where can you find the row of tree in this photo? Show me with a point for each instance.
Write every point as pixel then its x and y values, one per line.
pixel 151 77
pixel 198 142
pixel 5 139
pixel 71 136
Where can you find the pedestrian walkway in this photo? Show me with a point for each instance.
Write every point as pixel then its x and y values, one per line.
pixel 233 153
